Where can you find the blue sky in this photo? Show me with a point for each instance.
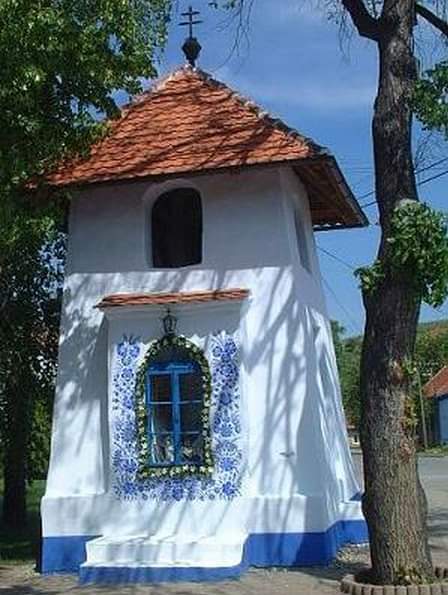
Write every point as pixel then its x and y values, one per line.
pixel 293 65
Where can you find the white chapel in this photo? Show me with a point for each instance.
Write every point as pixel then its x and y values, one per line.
pixel 198 427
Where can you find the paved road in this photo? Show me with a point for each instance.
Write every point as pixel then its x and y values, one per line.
pixel 434 476
pixel 21 580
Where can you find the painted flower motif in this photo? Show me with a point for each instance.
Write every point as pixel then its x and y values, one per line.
pixel 236 422
pixel 229 489
pixel 128 400
pixel 129 464
pixel 225 398
pixel 125 429
pixel 230 348
pixel 128 488
pixel 217 351
pixel 177 491
pixel 134 350
pixel 226 480
pixel 228 371
pixel 122 348
pixel 227 464
pixel 226 448
pixel 127 374
pixel 226 430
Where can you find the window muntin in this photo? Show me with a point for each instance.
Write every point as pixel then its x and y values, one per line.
pixel 176 229
pixel 174 402
pixel 173 396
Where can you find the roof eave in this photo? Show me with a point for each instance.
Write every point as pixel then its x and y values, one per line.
pixel 357 219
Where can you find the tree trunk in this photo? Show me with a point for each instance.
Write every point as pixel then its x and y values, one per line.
pixel 14 472
pixel 394 503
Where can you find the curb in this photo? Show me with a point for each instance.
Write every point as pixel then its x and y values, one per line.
pixel 350 586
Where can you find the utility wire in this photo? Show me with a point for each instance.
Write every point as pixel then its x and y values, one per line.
pixel 337 258
pixel 349 266
pixel 355 326
pixel 417 171
pixel 425 181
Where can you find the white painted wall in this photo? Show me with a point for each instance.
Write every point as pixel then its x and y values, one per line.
pixel 299 467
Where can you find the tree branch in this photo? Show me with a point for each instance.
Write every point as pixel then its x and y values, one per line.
pixel 432 18
pixel 364 22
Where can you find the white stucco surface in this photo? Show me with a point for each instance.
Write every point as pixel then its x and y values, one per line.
pixel 299 475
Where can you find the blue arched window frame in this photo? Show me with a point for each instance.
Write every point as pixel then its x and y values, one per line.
pixel 192 362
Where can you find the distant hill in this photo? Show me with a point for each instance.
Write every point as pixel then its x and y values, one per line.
pixel 434 327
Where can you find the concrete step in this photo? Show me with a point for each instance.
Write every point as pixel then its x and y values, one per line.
pixel 174 551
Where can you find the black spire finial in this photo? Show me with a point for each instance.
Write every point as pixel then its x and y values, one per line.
pixel 191 47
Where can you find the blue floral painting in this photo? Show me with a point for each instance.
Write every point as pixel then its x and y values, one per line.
pixel 225 482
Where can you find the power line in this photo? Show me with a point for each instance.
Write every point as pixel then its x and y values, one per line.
pixel 417 171
pixel 350 266
pixel 352 322
pixel 337 258
pixel 439 175
pixel 425 181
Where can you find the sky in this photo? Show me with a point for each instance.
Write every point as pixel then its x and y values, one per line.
pixel 291 62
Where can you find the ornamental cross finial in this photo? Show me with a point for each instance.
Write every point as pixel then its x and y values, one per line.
pixel 191 47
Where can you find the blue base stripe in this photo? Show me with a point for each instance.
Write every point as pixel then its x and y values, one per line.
pixel 66 554
pixel 114 575
pixel 302 549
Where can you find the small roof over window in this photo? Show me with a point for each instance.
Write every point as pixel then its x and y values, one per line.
pixel 190 123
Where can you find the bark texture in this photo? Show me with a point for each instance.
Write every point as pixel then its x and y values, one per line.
pixel 394 503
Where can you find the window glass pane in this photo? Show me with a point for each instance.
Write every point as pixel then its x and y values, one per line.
pixel 190 387
pixel 190 417
pixel 175 401
pixel 160 418
pixel 192 448
pixel 161 449
pixel 160 388
pixel 176 226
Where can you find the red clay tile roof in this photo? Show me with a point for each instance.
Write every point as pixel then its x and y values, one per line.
pixel 438 385
pixel 190 123
pixel 165 299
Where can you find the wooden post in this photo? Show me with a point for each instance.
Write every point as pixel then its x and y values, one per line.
pixel 422 410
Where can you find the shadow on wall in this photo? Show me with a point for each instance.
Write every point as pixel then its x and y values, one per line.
pixel 123 239
pixel 301 380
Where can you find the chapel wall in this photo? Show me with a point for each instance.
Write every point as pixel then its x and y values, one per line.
pixel 247 244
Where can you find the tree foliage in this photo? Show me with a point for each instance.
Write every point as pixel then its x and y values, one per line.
pixel 348 356
pixel 61 62
pixel 431 351
pixel 431 98
pixel 430 356
pixel 31 287
pixel 417 242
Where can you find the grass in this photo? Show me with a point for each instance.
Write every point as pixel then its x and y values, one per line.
pixel 17 547
pixel 435 451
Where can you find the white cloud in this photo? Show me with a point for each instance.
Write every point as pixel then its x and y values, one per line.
pixel 298 11
pixel 312 94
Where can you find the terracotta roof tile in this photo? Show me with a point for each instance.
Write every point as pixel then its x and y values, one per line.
pixel 191 123
pixel 152 299
pixel 438 385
